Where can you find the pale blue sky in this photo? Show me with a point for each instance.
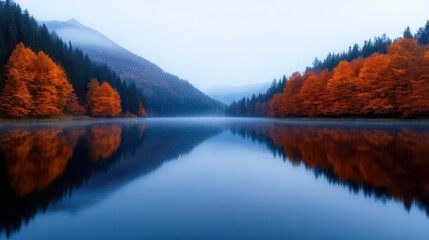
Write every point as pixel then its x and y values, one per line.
pixel 236 42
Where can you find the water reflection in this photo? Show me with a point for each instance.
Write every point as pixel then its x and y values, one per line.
pixel 103 141
pixel 382 161
pixel 395 161
pixel 35 158
pixel 42 164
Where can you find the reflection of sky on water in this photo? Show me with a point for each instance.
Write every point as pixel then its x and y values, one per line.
pixel 223 186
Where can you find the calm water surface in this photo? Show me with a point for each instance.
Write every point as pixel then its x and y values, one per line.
pixel 214 178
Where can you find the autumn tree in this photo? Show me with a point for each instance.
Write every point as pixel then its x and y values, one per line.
pixel 34 86
pixel 50 88
pixel 311 93
pixel 375 91
pixel 142 111
pixel 418 103
pixel 405 56
pixel 15 98
pixel 391 84
pixel 73 106
pixel 276 105
pixel 342 87
pixel 290 102
pixel 390 81
pixel 102 100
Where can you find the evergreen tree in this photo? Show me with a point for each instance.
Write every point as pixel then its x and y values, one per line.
pixel 422 34
pixel 378 45
pixel 407 33
pixel 256 105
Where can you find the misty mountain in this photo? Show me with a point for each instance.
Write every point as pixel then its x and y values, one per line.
pixel 165 93
pixel 227 94
pixel 18 31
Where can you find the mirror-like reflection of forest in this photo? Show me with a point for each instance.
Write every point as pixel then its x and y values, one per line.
pixel 384 161
pixel 43 164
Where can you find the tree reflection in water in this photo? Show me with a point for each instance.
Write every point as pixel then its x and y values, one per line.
pixel 102 141
pixel 40 165
pixel 34 161
pixel 35 158
pixel 387 163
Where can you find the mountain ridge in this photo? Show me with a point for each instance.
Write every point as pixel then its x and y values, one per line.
pixel 166 94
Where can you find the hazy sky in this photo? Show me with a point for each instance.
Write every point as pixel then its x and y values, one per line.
pixel 236 42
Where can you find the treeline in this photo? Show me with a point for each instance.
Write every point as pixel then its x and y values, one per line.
pixel 395 84
pixel 168 95
pixel 177 98
pixel 259 106
pixel 373 80
pixel 256 105
pixel 17 27
pixel 378 45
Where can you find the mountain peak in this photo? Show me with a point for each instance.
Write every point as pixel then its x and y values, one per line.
pixel 74 22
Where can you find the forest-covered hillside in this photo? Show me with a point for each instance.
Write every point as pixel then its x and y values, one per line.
pixel 18 26
pixel 383 78
pixel 165 94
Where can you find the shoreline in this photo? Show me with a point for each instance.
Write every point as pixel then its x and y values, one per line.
pixel 356 119
pixel 81 118
pixel 62 118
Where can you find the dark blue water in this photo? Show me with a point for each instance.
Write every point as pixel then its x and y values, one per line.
pixel 215 178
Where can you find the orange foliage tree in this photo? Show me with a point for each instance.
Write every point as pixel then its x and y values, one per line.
pixel 15 98
pixel 102 100
pixel 393 84
pixel 73 105
pixel 419 97
pixel 341 88
pixel 311 95
pixel 34 85
pixel 275 105
pixel 376 87
pixel 405 56
pixel 50 87
pixel 290 102
pixel 142 111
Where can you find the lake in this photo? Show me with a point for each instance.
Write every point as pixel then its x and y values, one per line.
pixel 215 178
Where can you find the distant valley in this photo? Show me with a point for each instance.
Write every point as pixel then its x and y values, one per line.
pixel 227 94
